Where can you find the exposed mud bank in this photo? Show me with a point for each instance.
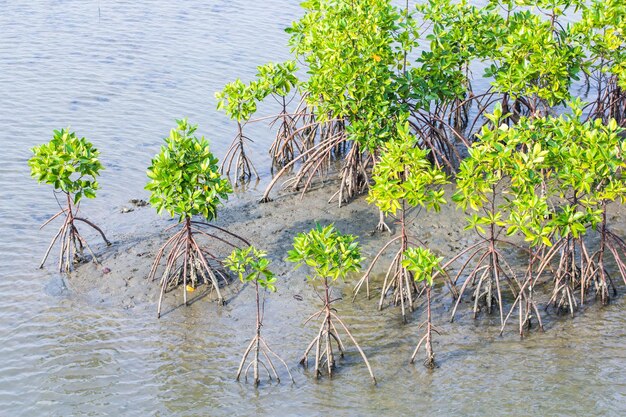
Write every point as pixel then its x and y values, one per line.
pixel 121 279
pixel 137 233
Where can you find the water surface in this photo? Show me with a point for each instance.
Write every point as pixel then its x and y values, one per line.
pixel 119 73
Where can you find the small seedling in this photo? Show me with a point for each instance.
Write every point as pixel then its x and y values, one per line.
pixel 239 101
pixel 425 266
pixel 279 81
pixel 252 265
pixel 331 255
pixel 70 164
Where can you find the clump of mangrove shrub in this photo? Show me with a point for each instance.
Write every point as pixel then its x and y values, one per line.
pixel 331 255
pixel 549 180
pixel 404 180
pixel 70 164
pixel 240 100
pixel 582 174
pixel 252 265
pixel 424 265
pixel 348 50
pixel 185 181
pixel 364 75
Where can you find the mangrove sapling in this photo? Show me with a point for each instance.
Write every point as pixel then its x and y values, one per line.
pixel 557 198
pixel 404 179
pixel 525 164
pixel 440 93
pixel 239 101
pixel 252 265
pixel 70 164
pixel 482 179
pixel 279 82
pixel 331 255
pixel 185 181
pixel 607 149
pixel 425 266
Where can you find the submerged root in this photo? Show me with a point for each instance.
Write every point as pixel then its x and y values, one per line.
pixel 354 177
pixel 426 340
pixel 260 349
pixel 286 146
pixel 314 160
pixel 71 241
pixel 187 264
pixel 398 282
pixel 327 340
pixel 486 278
pixel 577 271
pixel 236 158
pixel 525 302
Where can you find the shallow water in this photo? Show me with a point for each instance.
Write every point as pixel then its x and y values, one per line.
pixel 120 72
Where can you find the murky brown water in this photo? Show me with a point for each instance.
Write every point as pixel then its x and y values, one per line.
pixel 120 72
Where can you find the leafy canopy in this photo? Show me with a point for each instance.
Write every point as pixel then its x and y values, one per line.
pixel 349 49
pixel 239 100
pixel 535 58
pixel 251 264
pixel 184 176
pixel 405 174
pixel 68 163
pixel 328 252
pixel 582 169
pixel 493 167
pixel 276 78
pixel 422 263
pixel 602 31
pixel 554 174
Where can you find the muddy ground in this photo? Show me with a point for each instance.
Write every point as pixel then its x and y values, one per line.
pixel 137 232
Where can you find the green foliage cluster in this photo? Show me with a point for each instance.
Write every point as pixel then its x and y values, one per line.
pixel 240 100
pixel 252 265
pixel 69 163
pixel 422 263
pixel 351 56
pixel 184 177
pixel 460 33
pixel 555 173
pixel 277 78
pixel 328 252
pixel 602 30
pixel 535 58
pixel 404 173
pixel 582 170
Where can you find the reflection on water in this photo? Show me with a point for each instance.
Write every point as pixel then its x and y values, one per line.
pixel 119 72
